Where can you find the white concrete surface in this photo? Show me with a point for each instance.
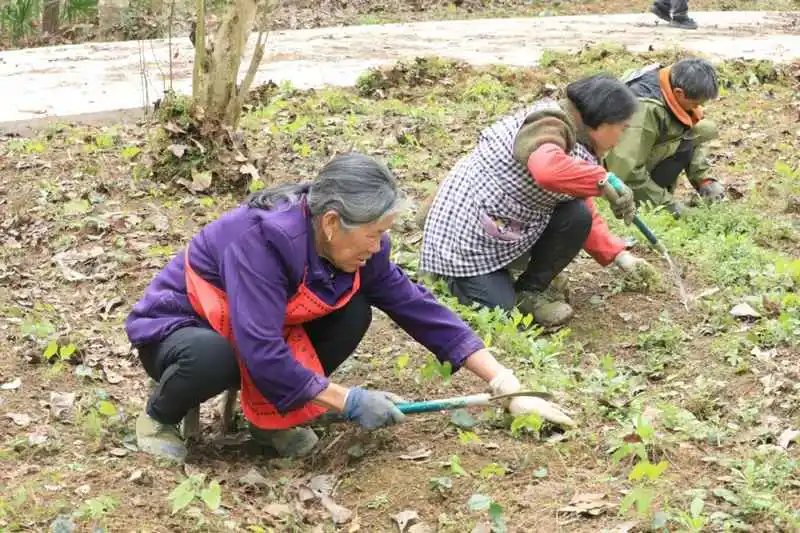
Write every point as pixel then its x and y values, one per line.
pixel 100 77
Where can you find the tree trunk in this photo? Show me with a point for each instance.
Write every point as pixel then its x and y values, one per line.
pixel 50 16
pixel 110 14
pixel 225 60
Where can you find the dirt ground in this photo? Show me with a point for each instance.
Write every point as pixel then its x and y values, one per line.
pixel 141 24
pixel 308 14
pixel 85 227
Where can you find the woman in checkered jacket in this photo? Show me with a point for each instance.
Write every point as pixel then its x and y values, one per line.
pixel 523 197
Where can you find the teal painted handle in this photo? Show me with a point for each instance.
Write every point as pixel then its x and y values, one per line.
pixel 443 405
pixel 615 182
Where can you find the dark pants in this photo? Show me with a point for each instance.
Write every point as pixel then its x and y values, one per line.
pixel 675 7
pixel 666 173
pixel 560 242
pixel 192 364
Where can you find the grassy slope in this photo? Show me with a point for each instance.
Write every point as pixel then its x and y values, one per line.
pixel 706 393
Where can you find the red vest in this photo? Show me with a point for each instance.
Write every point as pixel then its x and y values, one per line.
pixel 211 304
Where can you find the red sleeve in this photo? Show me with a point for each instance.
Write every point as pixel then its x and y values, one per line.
pixel 554 170
pixel 601 244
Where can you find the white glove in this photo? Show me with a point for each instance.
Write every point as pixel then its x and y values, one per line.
pixel 505 382
pixel 629 263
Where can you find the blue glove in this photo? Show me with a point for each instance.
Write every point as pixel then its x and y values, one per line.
pixel 372 409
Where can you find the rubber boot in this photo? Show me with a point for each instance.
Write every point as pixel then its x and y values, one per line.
pixel 292 442
pixel 548 307
pixel 160 440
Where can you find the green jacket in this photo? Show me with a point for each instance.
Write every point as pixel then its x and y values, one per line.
pixel 654 135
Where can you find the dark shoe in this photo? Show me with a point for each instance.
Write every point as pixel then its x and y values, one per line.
pixel 684 22
pixel 660 12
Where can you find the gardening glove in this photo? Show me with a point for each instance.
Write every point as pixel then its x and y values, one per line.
pixel 372 409
pixel 675 208
pixel 630 264
pixel 622 202
pixel 505 382
pixel 711 190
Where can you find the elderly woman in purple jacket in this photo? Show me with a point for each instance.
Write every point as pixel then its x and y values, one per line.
pixel 274 295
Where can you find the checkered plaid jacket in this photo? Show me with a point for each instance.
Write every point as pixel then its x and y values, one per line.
pixel 489 211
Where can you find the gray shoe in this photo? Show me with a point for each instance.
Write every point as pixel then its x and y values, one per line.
pixel 160 440
pixel 546 307
pixel 292 442
pixel 663 14
pixel 684 22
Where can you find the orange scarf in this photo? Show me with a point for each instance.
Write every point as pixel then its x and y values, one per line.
pixel 686 118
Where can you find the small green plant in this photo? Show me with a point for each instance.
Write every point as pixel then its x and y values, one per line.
pixel 531 422
pixel 455 466
pixel 54 352
pixel 433 369
pixel 193 488
pixel 635 443
pixel 17 17
pixel 37 329
pixel 400 364
pixel 694 521
pixel 482 502
pixel 96 508
pixel 645 475
pixel 378 502
pixel 130 152
pixel 467 437
pixel 441 485
pixel 492 470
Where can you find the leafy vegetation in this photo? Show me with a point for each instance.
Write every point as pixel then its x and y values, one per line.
pixel 683 414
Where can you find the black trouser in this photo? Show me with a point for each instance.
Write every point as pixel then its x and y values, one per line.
pixel 675 7
pixel 560 242
pixel 193 364
pixel 666 172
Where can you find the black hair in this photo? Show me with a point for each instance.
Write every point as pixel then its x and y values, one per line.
pixel 602 99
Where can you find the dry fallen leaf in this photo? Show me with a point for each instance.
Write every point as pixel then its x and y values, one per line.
pixel 482 527
pixel 178 150
pixel 787 437
pixel 322 485
pixel 339 514
pixel 626 527
pixel 405 519
pixel 111 376
pixel 11 385
pixel 278 510
pixel 422 527
pixel 592 504
pixel 249 170
pixel 744 310
pixel 417 455
pixel 19 419
pixel 253 479
pixel 62 405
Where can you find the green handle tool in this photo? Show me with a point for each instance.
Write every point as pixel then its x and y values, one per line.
pixel 618 186
pixel 460 402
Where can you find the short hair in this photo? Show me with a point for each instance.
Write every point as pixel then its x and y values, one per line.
pixel 697 77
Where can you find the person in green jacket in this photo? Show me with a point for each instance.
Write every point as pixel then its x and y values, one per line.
pixel 668 134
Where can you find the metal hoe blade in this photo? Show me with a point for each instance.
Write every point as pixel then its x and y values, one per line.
pixel 534 394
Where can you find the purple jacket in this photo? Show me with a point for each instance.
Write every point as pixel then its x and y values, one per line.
pixel 258 258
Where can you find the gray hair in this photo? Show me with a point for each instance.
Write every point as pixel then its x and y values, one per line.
pixel 358 188
pixel 696 77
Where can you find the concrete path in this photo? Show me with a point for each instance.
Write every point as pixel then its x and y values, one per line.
pixel 101 77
